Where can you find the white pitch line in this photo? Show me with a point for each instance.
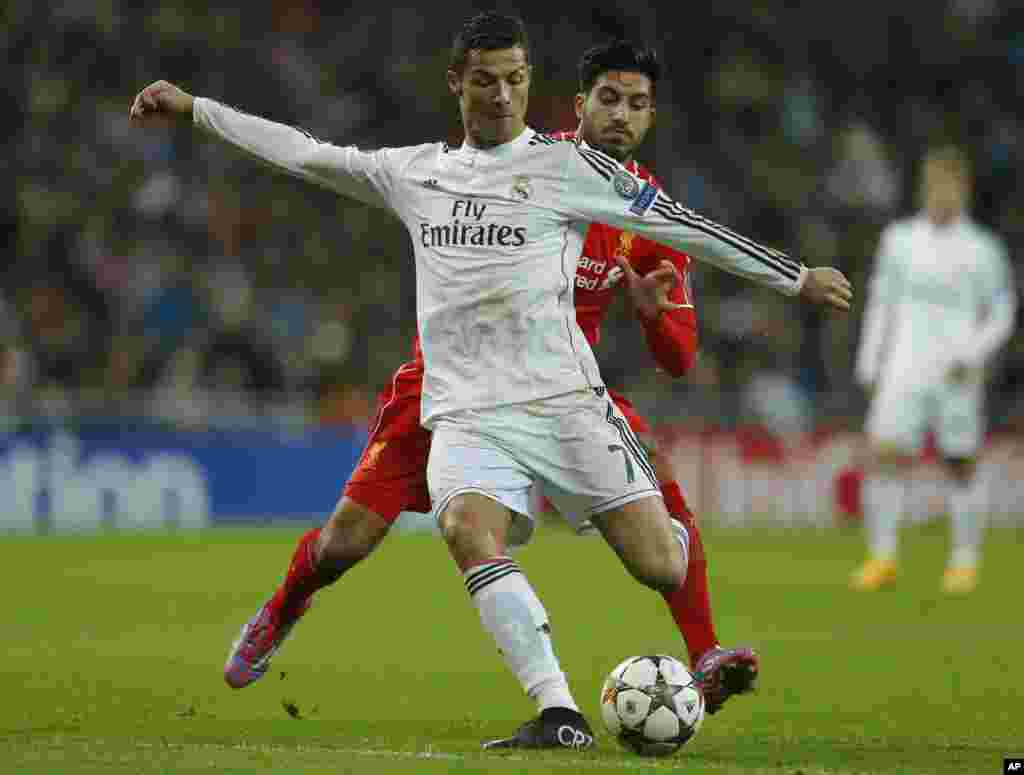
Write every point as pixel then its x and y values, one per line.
pixel 496 759
pixel 428 754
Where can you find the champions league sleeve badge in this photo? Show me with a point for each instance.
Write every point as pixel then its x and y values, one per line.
pixel 625 185
pixel 644 200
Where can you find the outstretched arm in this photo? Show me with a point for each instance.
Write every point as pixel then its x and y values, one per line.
pixel 596 188
pixel 346 170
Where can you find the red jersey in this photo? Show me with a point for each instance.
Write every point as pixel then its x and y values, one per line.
pixel 672 336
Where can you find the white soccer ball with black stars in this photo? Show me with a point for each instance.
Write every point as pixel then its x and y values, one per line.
pixel 652 705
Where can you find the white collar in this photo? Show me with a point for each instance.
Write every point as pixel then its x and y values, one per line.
pixel 952 227
pixel 499 151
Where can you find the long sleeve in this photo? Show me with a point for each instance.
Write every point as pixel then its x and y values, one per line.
pixel 672 336
pixel 362 175
pixel 672 340
pixel 877 313
pixel 598 189
pixel 999 315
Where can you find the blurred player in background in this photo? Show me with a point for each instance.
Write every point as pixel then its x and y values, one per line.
pixel 616 109
pixel 942 302
pixel 511 388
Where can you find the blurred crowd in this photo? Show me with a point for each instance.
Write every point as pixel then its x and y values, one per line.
pixel 160 275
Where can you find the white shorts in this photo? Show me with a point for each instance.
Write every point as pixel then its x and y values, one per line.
pixel 901 414
pixel 577 447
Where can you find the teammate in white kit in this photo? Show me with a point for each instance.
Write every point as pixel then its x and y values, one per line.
pixel 511 389
pixel 942 302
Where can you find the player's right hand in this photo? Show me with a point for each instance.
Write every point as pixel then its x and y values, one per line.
pixel 159 102
pixel 827 286
pixel 650 292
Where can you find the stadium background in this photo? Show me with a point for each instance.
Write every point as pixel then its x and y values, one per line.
pixel 185 337
pixel 154 281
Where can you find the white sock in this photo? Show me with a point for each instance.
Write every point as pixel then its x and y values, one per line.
pixel 553 693
pixel 511 612
pixel 967 507
pixel 883 511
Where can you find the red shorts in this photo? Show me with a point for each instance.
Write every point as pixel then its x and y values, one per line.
pixel 391 476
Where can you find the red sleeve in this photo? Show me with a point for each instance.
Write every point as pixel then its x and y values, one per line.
pixel 672 336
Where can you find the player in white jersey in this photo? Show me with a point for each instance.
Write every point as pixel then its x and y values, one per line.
pixel 942 302
pixel 511 389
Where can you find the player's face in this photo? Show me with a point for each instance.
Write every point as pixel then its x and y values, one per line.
pixel 493 89
pixel 617 112
pixel 945 191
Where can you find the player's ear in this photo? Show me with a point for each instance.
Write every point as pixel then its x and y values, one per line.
pixel 579 102
pixel 455 83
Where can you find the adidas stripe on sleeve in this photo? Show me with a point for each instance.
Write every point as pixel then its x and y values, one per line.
pixel 597 188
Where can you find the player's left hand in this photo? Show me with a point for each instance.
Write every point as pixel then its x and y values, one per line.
pixel 827 286
pixel 649 292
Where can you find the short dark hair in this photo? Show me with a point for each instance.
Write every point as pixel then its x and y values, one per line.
pixel 624 55
pixel 488 32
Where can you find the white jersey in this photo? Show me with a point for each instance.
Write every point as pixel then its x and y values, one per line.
pixel 496 234
pixel 939 295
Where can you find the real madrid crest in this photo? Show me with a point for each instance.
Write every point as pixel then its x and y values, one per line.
pixel 521 188
pixel 625 185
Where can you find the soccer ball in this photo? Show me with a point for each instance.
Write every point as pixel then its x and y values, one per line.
pixel 652 704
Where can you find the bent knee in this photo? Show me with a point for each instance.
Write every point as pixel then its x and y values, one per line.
pixel 662 571
pixel 475 528
pixel 456 521
pixel 461 523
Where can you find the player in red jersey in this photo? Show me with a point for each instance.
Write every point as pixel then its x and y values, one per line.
pixel 616 109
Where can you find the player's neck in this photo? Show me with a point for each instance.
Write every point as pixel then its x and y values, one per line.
pixel 481 144
pixel 625 161
pixel 945 220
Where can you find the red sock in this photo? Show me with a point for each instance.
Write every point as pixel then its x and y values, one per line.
pixel 304 577
pixel 690 604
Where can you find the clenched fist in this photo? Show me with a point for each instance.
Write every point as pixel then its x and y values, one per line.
pixel 159 102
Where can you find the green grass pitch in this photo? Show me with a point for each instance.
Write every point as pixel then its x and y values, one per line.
pixel 112 651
